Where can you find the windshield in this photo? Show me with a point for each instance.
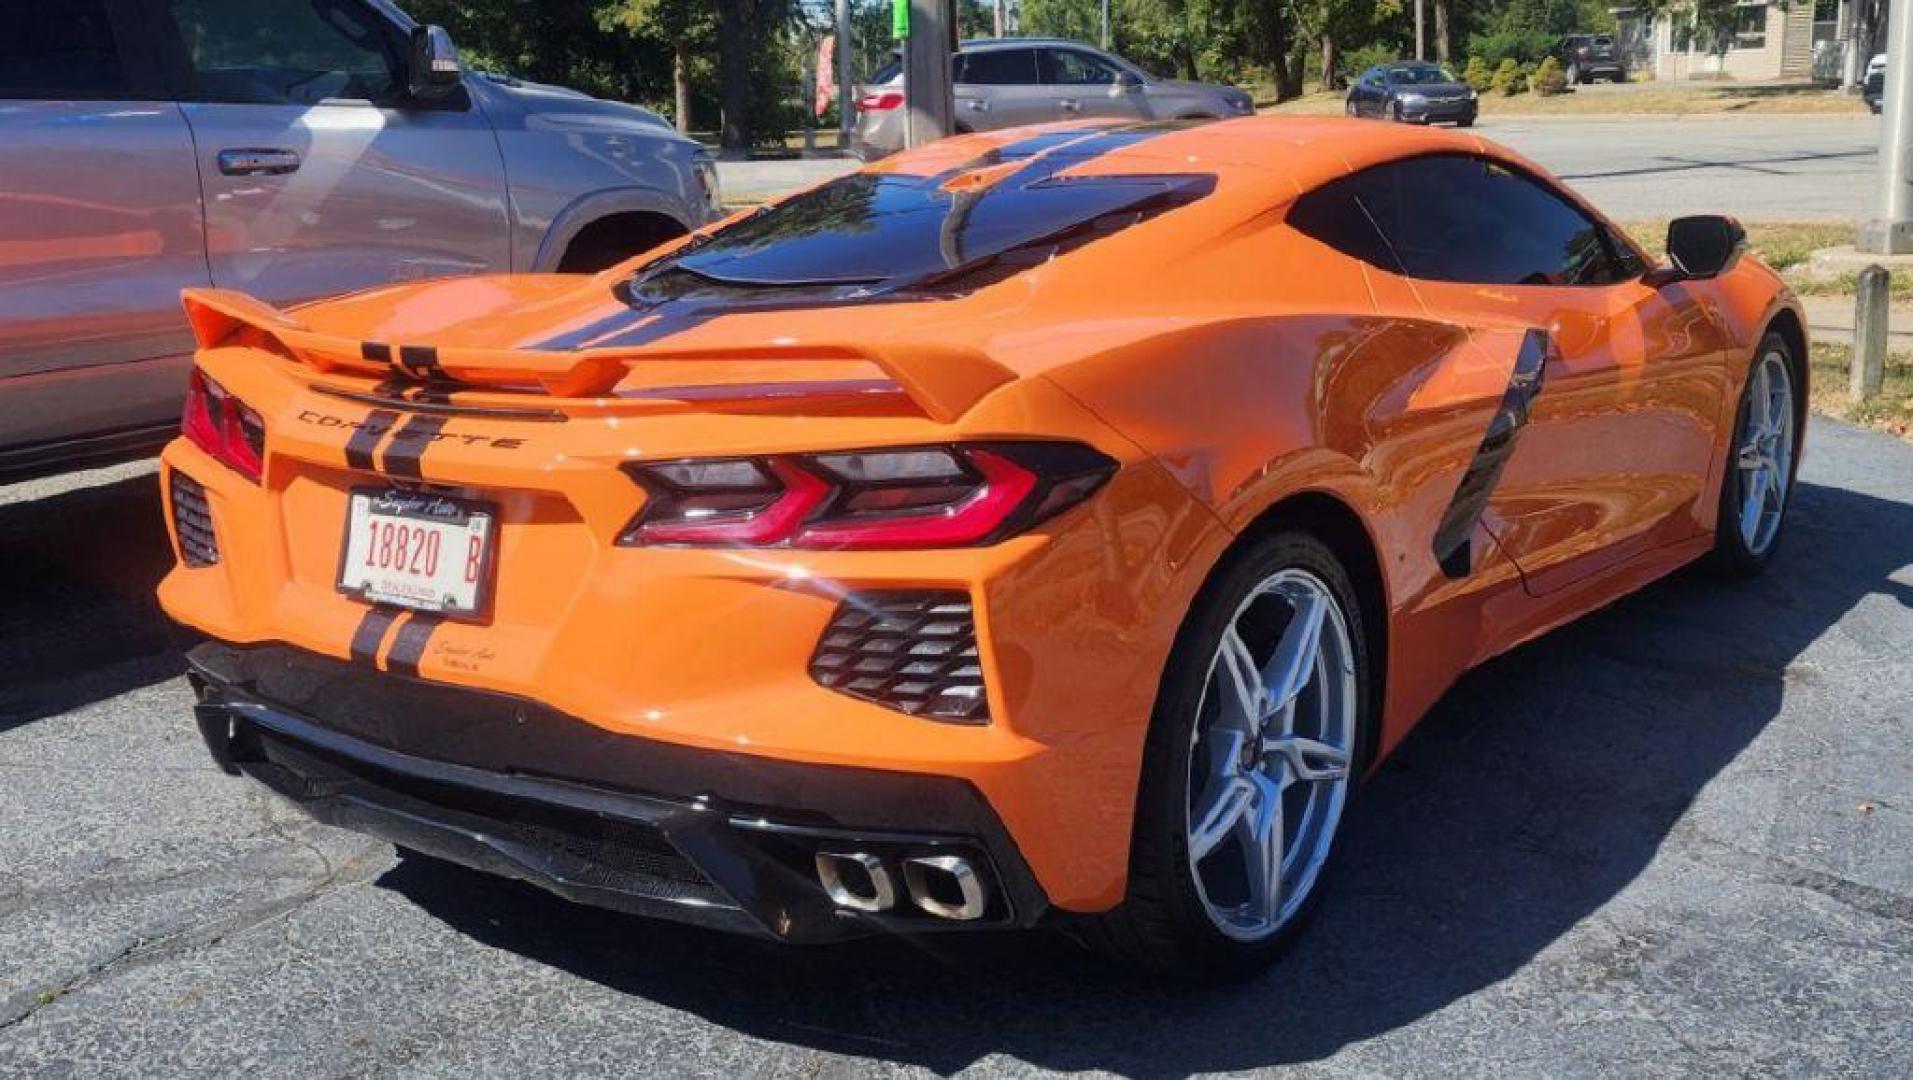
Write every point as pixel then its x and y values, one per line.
pixel 1418 75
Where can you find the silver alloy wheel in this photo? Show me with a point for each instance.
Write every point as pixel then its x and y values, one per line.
pixel 1765 454
pixel 1270 754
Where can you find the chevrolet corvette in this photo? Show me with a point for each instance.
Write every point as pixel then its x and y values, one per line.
pixel 1042 527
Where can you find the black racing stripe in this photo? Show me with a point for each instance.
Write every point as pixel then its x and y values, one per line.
pixel 1452 547
pixel 359 448
pixel 405 452
pixel 409 646
pixel 420 362
pixel 371 634
pixel 376 351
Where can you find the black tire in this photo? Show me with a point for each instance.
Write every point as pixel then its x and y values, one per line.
pixel 1162 924
pixel 1574 75
pixel 1731 555
pixel 1466 121
pixel 1395 111
pixel 1353 109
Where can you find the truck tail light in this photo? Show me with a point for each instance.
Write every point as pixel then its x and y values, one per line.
pixel 913 497
pixel 224 427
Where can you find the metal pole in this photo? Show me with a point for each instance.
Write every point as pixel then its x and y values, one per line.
pixel 1891 231
pixel 1000 16
pixel 846 76
pixel 926 72
pixel 1105 24
pixel 1421 53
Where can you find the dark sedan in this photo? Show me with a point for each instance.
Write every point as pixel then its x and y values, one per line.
pixel 1413 93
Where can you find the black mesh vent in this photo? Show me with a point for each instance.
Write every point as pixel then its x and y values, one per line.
pixel 910 651
pixel 193 520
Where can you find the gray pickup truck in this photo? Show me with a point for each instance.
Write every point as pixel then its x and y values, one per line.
pixel 292 149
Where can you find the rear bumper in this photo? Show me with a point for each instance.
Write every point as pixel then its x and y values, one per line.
pixel 511 787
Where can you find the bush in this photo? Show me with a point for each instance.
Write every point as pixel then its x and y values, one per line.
pixel 1508 79
pixel 1356 61
pixel 1477 75
pixel 1521 46
pixel 1549 79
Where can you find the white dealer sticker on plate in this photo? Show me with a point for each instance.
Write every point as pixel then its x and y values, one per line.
pixel 426 552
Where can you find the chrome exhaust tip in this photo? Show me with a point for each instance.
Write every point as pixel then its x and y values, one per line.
pixel 946 886
pixel 856 880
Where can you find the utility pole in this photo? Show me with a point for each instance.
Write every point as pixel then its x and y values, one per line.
pixel 1421 52
pixel 1105 24
pixel 846 77
pixel 926 71
pixel 1001 16
pixel 1891 230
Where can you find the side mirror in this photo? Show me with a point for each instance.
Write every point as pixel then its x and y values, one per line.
pixel 433 68
pixel 1701 247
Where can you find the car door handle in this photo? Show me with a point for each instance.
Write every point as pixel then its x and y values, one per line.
pixel 978 106
pixel 1070 105
pixel 258 162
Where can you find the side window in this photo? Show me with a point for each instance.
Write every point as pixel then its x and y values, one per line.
pixel 288 52
pixel 1070 67
pixel 59 52
pixel 1464 219
pixel 999 67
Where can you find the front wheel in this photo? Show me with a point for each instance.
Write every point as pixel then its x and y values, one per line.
pixel 1353 109
pixel 1395 111
pixel 1252 757
pixel 1759 473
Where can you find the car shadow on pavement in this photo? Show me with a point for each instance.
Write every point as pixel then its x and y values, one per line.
pixel 78 621
pixel 1536 791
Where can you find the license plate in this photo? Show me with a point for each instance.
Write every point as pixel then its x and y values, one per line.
pixel 419 551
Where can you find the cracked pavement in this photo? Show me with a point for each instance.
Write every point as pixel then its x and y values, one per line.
pixel 1675 838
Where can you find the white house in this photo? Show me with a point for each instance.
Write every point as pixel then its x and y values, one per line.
pixel 1768 40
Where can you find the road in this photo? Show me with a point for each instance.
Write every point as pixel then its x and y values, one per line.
pixel 1672 839
pixel 1761 168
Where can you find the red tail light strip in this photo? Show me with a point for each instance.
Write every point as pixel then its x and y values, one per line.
pixel 884 499
pixel 224 427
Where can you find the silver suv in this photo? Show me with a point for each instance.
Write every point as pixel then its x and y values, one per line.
pixel 1007 82
pixel 289 148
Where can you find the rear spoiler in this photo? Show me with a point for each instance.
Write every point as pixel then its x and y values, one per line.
pixel 944 381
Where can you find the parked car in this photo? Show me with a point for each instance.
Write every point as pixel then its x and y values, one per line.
pixel 1874 88
pixel 1587 57
pixel 1413 93
pixel 1006 82
pixel 1039 528
pixel 291 148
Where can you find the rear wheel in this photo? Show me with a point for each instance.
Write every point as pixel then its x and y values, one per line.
pixel 1759 479
pixel 1258 736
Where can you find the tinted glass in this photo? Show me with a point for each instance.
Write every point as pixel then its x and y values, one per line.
pixel 1455 218
pixel 999 67
pixel 288 52
pixel 1069 67
pixel 887 72
pixel 57 51
pixel 1418 74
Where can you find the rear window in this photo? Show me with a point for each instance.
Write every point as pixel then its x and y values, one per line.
pixel 872 233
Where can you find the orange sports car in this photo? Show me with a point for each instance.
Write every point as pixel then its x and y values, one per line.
pixel 1049 526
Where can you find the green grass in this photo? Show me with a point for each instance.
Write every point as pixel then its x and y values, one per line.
pixel 1890 411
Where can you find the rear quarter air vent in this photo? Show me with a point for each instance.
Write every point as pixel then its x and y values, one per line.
pixel 193 522
pixel 915 652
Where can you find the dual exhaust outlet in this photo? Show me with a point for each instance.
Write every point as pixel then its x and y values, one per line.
pixel 945 886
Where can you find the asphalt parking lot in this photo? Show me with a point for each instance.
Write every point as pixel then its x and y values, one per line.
pixel 1676 838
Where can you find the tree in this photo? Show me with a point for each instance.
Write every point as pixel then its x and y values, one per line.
pixel 684 26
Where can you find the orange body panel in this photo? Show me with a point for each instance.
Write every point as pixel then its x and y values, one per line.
pixel 1225 361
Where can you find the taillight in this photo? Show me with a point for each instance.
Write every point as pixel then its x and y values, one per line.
pixel 912 497
pixel 224 427
pixel 880 101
